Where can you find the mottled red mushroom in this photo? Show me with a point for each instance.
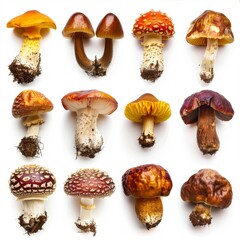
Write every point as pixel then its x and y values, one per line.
pixel 88 105
pixel 152 28
pixel 147 183
pixel 206 189
pixel 32 184
pixel 202 108
pixel 88 184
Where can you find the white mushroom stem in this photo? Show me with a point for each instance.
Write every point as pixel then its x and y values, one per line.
pixel 88 139
pixel 147 138
pixel 152 64
pixel 33 131
pixel 86 208
pixel 207 65
pixel 32 209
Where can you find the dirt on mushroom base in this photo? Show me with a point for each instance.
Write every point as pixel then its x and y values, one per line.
pixel 91 227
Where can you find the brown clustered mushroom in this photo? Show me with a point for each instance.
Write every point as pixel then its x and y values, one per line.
pixel 152 28
pixel 202 108
pixel 30 105
pixel 32 184
pixel 147 183
pixel 211 29
pixel 88 184
pixel 206 189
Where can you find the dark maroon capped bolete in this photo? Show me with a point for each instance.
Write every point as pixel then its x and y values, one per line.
pixel 206 189
pixel 202 108
pixel 32 184
pixel 88 184
pixel 147 183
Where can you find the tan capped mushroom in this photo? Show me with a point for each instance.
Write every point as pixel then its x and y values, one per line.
pixel 32 184
pixel 88 184
pixel 88 105
pixel 26 65
pixel 30 105
pixel 148 111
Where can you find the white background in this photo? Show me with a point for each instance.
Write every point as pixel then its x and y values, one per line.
pixel 175 148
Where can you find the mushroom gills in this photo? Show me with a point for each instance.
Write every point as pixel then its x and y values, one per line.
pixel 201 215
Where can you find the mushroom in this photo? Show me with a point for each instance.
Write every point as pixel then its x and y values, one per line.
pixel 109 28
pixel 30 105
pixel 206 189
pixel 210 29
pixel 79 28
pixel 88 104
pixel 202 108
pixel 148 110
pixel 152 28
pixel 26 65
pixel 147 183
pixel 32 184
pixel 88 184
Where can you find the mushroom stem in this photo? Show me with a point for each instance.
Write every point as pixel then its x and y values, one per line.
pixel 207 65
pixel 147 138
pixel 81 57
pixel 152 64
pixel 207 137
pixel 85 222
pixel 149 211
pixel 34 215
pixel 88 139
pixel 26 65
pixel 201 215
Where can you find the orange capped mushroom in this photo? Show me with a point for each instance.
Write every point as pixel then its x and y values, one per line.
pixel 152 28
pixel 26 65
pixel 148 110
pixel 88 105
pixel 30 105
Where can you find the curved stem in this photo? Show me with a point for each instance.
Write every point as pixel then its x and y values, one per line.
pixel 106 58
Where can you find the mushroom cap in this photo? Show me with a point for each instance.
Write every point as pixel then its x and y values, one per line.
pixel 153 22
pixel 212 25
pixel 147 105
pixel 209 187
pixel 189 110
pixel 30 102
pixel 32 182
pixel 110 27
pixel 78 23
pixel 147 181
pixel 97 100
pixel 31 18
pixel 89 183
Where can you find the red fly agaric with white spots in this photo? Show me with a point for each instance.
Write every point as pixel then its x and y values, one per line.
pixel 88 184
pixel 152 28
pixel 32 184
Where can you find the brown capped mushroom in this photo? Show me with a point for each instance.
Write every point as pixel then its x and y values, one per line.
pixel 211 29
pixel 30 105
pixel 32 184
pixel 202 108
pixel 147 183
pixel 88 105
pixel 206 189
pixel 88 184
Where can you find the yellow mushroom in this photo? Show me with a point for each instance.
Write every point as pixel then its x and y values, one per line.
pixel 148 110
pixel 26 65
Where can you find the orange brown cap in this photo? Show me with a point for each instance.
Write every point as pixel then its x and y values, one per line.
pixel 147 181
pixel 153 22
pixel 78 23
pixel 30 102
pixel 212 25
pixel 147 105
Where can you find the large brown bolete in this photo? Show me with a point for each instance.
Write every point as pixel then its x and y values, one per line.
pixel 206 188
pixel 202 108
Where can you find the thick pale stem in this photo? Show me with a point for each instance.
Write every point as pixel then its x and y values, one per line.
pixel 207 137
pixel 33 131
pixel 147 138
pixel 152 64
pixel 88 139
pixel 207 65
pixel 201 215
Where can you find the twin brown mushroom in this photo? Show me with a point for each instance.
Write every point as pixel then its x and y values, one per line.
pixel 79 28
